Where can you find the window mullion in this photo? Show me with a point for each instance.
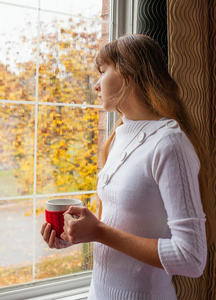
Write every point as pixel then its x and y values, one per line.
pixel 83 105
pixel 35 145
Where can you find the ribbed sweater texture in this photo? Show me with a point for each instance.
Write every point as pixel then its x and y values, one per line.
pixel 149 188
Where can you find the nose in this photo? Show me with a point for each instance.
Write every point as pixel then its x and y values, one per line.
pixel 97 86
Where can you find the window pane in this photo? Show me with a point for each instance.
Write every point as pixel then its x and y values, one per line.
pixel 17 52
pixel 89 9
pixel 67 149
pixel 16 250
pixel 16 149
pixel 67 49
pixel 18 3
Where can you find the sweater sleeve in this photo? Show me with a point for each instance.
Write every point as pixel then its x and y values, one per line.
pixel 175 170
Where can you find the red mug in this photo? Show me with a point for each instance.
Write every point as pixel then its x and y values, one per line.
pixel 55 208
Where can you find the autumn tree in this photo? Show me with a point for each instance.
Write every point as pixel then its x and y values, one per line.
pixel 66 135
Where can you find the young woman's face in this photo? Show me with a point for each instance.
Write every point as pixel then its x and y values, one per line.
pixel 108 85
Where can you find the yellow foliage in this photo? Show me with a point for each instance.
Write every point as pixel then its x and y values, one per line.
pixel 92 206
pixel 67 138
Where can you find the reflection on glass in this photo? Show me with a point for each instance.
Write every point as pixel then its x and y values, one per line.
pixel 16 149
pixel 67 50
pixel 67 149
pixel 17 53
pixel 29 3
pixel 88 9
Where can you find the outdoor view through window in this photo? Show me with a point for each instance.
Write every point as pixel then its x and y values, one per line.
pixel 49 127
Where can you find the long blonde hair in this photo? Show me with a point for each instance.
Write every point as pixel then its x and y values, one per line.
pixel 139 58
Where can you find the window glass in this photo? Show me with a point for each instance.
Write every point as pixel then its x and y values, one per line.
pixel 17 242
pixel 67 48
pixel 49 129
pixel 16 150
pixel 18 29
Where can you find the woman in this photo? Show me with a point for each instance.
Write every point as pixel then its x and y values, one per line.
pixel 153 224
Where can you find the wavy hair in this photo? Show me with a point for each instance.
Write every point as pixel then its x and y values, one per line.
pixel 140 61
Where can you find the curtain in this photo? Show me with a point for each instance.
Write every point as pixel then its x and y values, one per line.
pixel 189 29
pixel 192 62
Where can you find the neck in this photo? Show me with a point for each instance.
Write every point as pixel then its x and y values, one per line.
pixel 139 116
pixel 135 109
pixel 140 112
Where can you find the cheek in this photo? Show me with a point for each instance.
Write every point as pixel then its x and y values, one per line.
pixel 115 84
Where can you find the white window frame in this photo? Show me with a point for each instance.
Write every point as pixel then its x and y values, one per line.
pixel 72 286
pixel 76 286
pixel 123 21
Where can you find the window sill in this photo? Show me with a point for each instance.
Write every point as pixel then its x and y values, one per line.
pixel 73 287
pixel 75 294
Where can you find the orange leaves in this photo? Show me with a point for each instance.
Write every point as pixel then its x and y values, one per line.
pixel 67 147
pixel 66 137
pixel 51 266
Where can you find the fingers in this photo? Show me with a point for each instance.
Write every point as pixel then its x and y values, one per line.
pixel 50 238
pixel 60 244
pixel 67 235
pixel 51 242
pixel 64 237
pixel 48 234
pixel 69 222
pixel 76 231
pixel 74 210
pixel 81 230
pixel 43 228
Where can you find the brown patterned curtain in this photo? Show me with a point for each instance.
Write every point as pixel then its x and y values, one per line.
pixel 192 62
pixel 190 26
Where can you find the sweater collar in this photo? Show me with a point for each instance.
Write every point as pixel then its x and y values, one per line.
pixel 131 127
pixel 129 121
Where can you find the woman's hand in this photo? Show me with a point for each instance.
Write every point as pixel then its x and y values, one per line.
pixel 50 238
pixel 87 228
pixel 82 230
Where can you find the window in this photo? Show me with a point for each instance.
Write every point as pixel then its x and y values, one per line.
pixel 49 131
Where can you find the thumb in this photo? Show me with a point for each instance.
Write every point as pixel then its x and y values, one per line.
pixel 74 210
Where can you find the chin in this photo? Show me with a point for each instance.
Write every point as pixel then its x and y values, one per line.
pixel 109 108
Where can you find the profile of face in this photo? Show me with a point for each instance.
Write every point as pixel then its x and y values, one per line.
pixel 108 85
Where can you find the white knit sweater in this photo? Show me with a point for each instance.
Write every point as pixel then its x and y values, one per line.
pixel 149 187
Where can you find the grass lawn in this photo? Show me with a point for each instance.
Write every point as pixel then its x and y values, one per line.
pixel 56 265
pixel 8 184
